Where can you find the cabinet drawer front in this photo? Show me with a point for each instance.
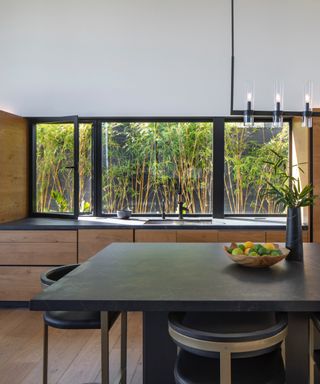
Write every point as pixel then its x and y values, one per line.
pixel 155 236
pixel 241 236
pixel 197 236
pixel 92 241
pixel 38 253
pixel 20 283
pixel 38 236
pixel 280 236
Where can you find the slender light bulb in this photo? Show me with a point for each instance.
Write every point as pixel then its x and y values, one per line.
pixel 307 112
pixel 248 118
pixel 278 101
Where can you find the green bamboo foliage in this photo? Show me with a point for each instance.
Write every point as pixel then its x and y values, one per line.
pixel 247 172
pixel 143 164
pixel 54 152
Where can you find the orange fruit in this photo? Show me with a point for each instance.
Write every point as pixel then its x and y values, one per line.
pixel 248 244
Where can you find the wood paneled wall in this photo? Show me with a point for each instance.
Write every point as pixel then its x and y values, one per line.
pixel 300 155
pixel 316 177
pixel 14 155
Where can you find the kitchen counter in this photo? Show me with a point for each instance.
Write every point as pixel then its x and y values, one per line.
pixel 278 223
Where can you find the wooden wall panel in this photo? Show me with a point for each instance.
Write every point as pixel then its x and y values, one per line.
pixel 92 241
pixel 316 177
pixel 300 155
pixel 14 165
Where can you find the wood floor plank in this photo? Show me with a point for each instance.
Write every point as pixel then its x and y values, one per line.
pixel 74 355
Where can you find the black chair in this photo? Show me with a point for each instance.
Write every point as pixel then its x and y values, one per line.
pixel 237 348
pixel 314 354
pixel 78 320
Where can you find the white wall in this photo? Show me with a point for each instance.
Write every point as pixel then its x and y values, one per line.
pixel 277 40
pixel 148 57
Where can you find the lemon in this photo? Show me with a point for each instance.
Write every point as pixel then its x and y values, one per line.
pixel 248 244
pixel 269 246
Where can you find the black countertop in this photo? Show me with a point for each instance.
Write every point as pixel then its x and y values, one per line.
pixel 254 223
pixel 187 277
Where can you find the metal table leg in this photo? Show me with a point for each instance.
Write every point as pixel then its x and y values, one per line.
pixel 159 351
pixel 104 348
pixel 297 349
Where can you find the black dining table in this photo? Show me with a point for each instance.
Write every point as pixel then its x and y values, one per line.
pixel 157 278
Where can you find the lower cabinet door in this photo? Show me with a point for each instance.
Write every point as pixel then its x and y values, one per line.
pixel 197 236
pixel 20 283
pixel 91 241
pixel 241 236
pixel 155 236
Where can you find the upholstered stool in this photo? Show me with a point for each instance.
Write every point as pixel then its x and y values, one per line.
pixel 78 320
pixel 220 347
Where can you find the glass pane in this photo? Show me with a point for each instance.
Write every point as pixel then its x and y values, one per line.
pixel 85 168
pixel 144 163
pixel 54 180
pixel 246 171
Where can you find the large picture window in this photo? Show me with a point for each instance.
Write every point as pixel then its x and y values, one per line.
pixel 144 164
pixel 99 166
pixel 246 173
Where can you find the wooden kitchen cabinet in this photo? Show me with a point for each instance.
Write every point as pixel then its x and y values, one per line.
pixel 280 236
pixel 20 283
pixel 91 241
pixel 197 236
pixel 24 255
pixel 241 236
pixel 38 247
pixel 155 236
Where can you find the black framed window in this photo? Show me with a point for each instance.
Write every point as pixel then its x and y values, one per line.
pixel 86 168
pixel 145 163
pixel 55 181
pixel 246 171
pixel 98 166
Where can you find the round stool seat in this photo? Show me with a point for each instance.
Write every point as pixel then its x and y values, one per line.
pixel 77 319
pixel 264 369
pixel 227 327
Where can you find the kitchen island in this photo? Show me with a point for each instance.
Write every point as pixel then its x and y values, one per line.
pixel 158 278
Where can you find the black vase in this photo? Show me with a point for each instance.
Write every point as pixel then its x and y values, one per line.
pixel 294 235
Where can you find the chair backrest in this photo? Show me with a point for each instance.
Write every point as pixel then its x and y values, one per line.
pixel 210 344
pixel 55 274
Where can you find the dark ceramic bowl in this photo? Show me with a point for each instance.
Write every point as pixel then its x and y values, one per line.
pixel 124 214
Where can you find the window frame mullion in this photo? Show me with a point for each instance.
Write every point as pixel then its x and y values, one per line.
pixel 218 168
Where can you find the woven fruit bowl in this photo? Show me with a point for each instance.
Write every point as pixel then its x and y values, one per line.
pixel 257 255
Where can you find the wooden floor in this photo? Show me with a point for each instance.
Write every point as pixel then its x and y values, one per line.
pixel 74 355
